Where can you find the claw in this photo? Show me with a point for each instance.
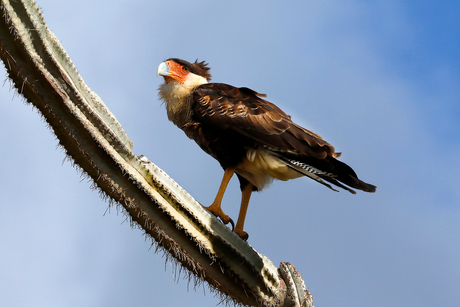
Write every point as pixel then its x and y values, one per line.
pixel 233 224
pixel 242 234
pixel 225 219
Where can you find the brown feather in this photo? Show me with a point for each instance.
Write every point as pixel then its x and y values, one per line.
pixel 234 119
pixel 262 121
pixel 249 134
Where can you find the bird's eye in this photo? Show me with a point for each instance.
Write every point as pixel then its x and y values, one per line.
pixel 184 68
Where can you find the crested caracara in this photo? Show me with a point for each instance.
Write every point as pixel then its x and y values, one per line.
pixel 249 136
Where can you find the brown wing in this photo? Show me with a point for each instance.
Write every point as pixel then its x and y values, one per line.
pixel 242 110
pixel 233 110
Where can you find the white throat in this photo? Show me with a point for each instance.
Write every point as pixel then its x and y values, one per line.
pixel 177 98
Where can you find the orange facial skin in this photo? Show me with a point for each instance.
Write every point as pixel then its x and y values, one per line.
pixel 176 72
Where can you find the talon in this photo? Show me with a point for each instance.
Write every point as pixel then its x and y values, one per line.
pixel 224 218
pixel 233 224
pixel 220 214
pixel 242 234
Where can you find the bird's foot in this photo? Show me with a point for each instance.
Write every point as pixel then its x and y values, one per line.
pixel 217 211
pixel 243 234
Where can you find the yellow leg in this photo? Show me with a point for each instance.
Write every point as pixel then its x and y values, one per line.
pixel 246 195
pixel 215 207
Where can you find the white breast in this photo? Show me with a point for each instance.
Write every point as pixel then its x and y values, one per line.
pixel 177 97
pixel 260 167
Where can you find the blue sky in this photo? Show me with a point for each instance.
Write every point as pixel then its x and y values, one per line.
pixel 377 79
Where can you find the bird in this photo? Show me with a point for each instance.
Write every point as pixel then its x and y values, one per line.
pixel 249 136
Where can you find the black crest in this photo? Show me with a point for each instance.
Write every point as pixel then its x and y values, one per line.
pixel 198 68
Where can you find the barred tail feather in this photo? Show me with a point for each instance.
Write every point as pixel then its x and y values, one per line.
pixel 308 174
pixel 330 170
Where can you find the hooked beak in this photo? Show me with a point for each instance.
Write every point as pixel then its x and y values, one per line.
pixel 163 70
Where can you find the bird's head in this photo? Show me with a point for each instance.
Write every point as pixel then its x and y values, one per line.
pixel 183 72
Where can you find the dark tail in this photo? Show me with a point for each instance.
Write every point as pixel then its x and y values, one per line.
pixel 328 170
